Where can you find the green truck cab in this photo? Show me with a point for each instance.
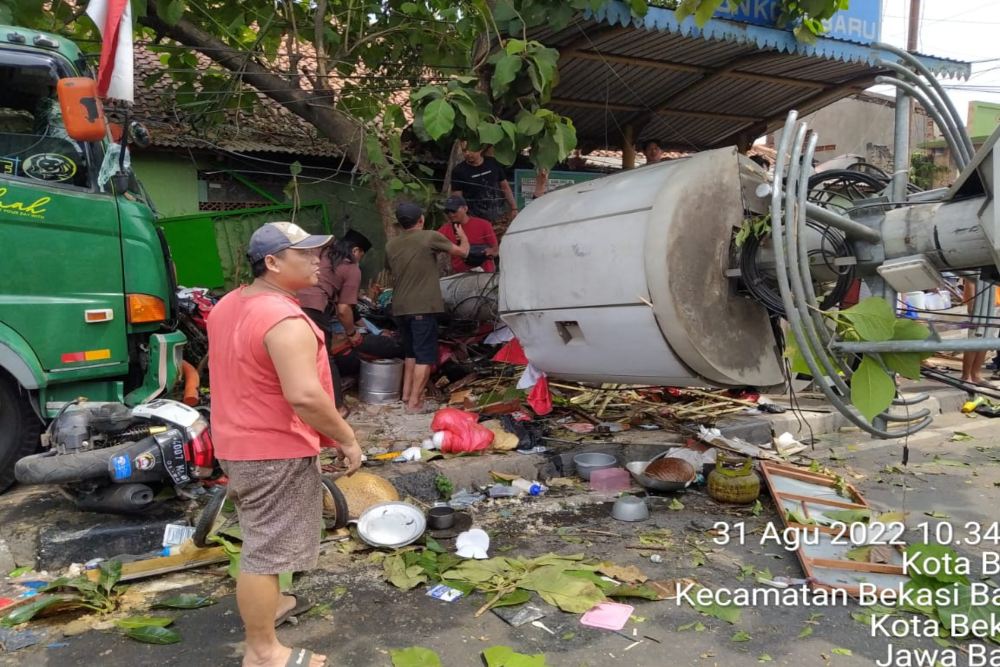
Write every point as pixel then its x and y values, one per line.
pixel 86 280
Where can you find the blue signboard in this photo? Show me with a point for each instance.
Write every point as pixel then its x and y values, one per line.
pixel 861 23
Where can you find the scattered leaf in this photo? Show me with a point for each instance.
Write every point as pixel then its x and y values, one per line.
pixel 756 510
pixel 729 613
pixel 697 626
pixel 849 516
pixel 566 636
pixel 185 601
pixel 938 515
pixel 153 634
pixel 841 651
pixel 19 571
pixel 626 574
pixel 144 622
pixel 764 657
pixel 675 505
pixel 25 613
pixel 806 631
pixel 415 656
pixel 504 656
pixel 959 436
pixel 741 636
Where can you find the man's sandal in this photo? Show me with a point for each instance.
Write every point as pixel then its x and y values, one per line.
pixel 302 605
pixel 300 657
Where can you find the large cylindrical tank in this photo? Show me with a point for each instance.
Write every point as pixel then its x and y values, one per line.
pixel 623 279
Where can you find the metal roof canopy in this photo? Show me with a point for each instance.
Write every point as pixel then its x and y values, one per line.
pixel 624 78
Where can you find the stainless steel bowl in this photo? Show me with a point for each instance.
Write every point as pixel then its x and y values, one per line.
pixel 591 461
pixel 630 508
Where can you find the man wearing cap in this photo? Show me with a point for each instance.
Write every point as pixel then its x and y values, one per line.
pixel 482 239
pixel 272 411
pixel 416 296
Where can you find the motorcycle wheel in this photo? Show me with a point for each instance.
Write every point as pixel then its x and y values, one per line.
pixel 19 429
pixel 204 527
pixel 334 505
pixel 51 468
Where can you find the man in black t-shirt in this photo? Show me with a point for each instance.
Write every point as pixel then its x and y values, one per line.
pixel 482 182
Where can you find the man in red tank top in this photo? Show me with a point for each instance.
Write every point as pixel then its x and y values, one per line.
pixel 272 411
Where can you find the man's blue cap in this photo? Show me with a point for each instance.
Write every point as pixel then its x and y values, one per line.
pixel 274 237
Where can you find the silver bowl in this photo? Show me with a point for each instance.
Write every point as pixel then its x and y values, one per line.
pixel 591 461
pixel 630 508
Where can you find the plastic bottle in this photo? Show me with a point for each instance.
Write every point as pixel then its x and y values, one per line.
pixel 531 488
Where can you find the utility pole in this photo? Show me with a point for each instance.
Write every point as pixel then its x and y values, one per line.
pixel 904 115
pixel 913 33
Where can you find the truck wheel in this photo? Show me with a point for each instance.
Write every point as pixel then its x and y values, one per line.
pixel 20 429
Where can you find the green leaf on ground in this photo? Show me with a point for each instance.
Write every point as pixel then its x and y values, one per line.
pixel 402 576
pixel 972 615
pixel 757 508
pixel 842 651
pixel 13 574
pixel 520 596
pixel 764 657
pixel 849 516
pixel 25 613
pixel 959 436
pixel 806 631
pixel 729 613
pixel 144 622
pixel 675 505
pixel 934 555
pixel 741 636
pixel 415 656
pixel 504 656
pixel 185 601
pixel 153 634
pixel 938 515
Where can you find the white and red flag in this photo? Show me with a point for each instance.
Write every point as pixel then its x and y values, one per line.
pixel 115 72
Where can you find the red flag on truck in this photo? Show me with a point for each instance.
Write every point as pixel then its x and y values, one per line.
pixel 115 72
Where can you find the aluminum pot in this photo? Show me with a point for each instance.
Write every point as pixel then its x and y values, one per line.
pixel 381 381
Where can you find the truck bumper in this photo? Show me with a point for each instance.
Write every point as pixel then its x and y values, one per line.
pixel 165 358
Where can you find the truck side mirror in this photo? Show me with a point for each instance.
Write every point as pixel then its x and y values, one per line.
pixel 82 111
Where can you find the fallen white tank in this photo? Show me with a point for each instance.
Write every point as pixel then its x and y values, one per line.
pixel 622 279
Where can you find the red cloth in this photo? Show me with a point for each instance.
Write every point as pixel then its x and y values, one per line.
pixel 462 432
pixel 251 419
pixel 480 232
pixel 511 353
pixel 110 33
pixel 540 398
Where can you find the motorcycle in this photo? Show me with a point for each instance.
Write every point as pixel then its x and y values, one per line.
pixel 108 457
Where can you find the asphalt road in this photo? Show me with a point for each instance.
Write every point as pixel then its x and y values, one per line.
pixel 361 618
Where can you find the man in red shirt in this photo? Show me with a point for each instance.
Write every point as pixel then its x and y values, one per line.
pixel 272 410
pixel 482 238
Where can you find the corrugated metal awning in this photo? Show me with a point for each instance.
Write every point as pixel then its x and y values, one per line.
pixel 696 88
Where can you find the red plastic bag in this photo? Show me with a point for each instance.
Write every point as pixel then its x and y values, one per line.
pixel 540 399
pixel 511 353
pixel 462 432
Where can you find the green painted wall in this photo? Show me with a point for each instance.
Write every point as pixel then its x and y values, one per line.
pixel 351 207
pixel 983 118
pixel 171 180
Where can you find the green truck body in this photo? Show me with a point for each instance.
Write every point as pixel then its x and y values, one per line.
pixel 86 284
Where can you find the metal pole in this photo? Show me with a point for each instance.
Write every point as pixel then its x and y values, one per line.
pixel 851 228
pixel 901 147
pixel 946 345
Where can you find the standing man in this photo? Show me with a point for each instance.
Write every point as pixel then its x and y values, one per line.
pixel 483 244
pixel 652 150
pixel 416 297
pixel 272 410
pixel 483 183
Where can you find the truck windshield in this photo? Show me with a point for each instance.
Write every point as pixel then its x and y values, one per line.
pixel 34 144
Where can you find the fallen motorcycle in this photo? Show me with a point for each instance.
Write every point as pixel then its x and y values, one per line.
pixel 108 457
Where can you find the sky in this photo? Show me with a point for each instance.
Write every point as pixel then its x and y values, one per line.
pixel 966 30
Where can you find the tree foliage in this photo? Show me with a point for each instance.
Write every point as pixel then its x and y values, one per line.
pixel 364 71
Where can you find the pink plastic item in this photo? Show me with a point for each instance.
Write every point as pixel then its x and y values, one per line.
pixel 610 480
pixel 608 616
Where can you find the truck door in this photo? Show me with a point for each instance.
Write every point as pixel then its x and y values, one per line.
pixel 61 283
